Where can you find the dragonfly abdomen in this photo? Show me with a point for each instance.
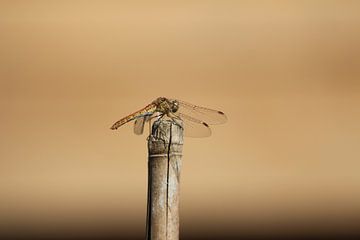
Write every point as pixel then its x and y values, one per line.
pixel 148 110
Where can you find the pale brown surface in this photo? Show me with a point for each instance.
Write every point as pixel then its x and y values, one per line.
pixel 286 73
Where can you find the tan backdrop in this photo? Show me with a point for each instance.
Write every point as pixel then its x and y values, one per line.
pixel 286 73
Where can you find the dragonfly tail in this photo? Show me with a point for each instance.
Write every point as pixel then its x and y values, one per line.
pixel 148 110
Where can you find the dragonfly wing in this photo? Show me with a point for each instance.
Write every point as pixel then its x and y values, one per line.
pixel 194 127
pixel 203 114
pixel 139 125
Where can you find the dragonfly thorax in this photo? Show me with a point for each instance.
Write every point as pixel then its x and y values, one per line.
pixel 166 106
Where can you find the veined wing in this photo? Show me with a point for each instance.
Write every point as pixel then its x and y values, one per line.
pixel 140 123
pixel 203 114
pixel 194 127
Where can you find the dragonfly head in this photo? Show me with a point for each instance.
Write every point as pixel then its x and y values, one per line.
pixel 174 106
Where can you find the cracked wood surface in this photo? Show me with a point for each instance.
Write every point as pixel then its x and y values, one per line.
pixel 164 165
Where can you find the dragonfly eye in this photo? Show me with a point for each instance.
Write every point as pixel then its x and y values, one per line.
pixel 175 106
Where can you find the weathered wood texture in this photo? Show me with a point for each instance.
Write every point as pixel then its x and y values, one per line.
pixel 164 165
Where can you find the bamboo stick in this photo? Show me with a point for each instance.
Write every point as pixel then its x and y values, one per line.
pixel 164 165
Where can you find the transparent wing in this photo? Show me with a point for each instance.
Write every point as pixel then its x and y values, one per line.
pixel 203 114
pixel 194 127
pixel 139 124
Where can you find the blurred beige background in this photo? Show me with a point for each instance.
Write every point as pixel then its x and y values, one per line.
pixel 286 73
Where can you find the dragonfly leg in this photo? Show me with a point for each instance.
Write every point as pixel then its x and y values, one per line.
pixel 152 117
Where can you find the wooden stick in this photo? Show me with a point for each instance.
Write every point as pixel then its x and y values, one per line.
pixel 165 149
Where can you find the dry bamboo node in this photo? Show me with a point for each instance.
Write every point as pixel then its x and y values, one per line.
pixel 164 165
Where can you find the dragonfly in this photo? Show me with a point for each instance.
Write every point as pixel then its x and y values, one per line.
pixel 195 119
